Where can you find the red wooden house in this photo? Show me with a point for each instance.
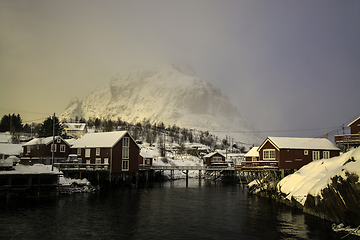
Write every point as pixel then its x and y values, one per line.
pixel 38 150
pixel 293 153
pixel 350 140
pixel 214 159
pixel 118 149
pixel 252 155
pixel 145 159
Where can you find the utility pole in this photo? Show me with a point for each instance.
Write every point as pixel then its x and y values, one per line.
pixel 53 145
pixel 226 146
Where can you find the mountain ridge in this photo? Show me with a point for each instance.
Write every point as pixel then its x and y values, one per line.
pixel 168 93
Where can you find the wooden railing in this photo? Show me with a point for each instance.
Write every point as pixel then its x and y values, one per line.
pixel 82 166
pixel 349 138
pixel 258 164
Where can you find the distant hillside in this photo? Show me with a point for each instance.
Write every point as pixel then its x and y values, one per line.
pixel 168 93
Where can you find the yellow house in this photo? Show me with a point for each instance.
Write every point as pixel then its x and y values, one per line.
pixel 76 130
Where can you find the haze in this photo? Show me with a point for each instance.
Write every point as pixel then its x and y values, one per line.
pixel 286 65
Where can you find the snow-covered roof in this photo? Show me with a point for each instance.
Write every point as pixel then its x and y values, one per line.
pixel 37 141
pixel 253 152
pixel 70 141
pixel 146 154
pixel 10 149
pixel 76 126
pixel 300 143
pixel 353 122
pixel 212 154
pixel 98 140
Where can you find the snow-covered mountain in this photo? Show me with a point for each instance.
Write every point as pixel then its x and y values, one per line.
pixel 168 93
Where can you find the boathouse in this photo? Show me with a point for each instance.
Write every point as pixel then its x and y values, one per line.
pixel 214 159
pixel 39 150
pixel 117 149
pixel 145 159
pixel 293 153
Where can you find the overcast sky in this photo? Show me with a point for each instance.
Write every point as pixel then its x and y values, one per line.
pixel 285 64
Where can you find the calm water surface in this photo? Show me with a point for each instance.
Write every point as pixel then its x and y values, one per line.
pixel 163 211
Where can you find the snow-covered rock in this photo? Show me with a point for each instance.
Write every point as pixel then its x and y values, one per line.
pixel 328 188
pixel 168 93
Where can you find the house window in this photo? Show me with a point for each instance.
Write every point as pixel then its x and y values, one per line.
pixel 316 155
pixel 326 154
pixel 53 147
pixel 126 142
pixel 62 148
pixel 216 159
pixel 269 154
pixel 97 151
pixel 125 153
pixel 28 148
pixel 125 165
pixel 106 161
pixel 98 161
pixel 58 140
pixel 79 151
pixel 87 161
pixel 254 159
pixel 306 152
pixel 87 152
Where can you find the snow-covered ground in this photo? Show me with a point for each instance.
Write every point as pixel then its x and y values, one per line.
pixel 315 176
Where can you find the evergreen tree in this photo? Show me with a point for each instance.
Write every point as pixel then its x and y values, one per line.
pixel 12 123
pixel 46 128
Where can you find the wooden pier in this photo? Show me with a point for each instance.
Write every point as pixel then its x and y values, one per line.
pixel 19 184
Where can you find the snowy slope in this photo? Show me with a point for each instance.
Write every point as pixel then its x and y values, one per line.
pixel 168 93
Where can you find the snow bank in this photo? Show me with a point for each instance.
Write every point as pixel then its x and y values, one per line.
pixel 33 169
pixel 315 176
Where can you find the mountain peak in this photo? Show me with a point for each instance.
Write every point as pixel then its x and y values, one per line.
pixel 169 93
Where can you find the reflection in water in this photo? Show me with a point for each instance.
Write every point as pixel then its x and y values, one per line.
pixel 170 210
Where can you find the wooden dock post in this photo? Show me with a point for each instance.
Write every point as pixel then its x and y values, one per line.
pixel 187 177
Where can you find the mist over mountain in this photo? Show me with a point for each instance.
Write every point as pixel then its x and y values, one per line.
pixel 168 93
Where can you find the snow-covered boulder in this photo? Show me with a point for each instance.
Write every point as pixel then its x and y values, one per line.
pixel 327 188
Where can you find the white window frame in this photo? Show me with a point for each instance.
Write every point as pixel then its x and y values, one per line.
pixel 79 151
pixel 217 159
pixel 58 140
pixel 98 161
pixel 254 159
pixel 106 160
pixel 269 154
pixel 62 148
pixel 28 149
pixel 125 165
pixel 326 154
pixel 87 152
pixel 97 151
pixel 306 152
pixel 125 153
pixel 315 155
pixel 126 142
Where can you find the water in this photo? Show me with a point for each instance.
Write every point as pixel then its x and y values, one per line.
pixel 164 211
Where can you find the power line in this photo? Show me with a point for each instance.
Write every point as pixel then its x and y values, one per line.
pixel 23 111
pixel 276 131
